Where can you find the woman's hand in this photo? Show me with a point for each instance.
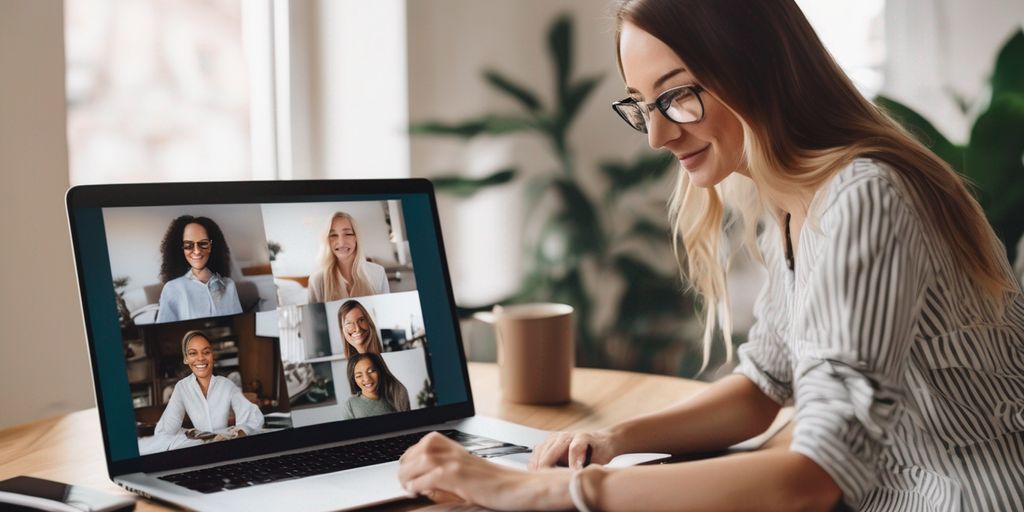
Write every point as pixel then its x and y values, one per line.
pixel 442 470
pixel 570 448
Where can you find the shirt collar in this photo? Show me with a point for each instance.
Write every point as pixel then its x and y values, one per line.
pixel 214 277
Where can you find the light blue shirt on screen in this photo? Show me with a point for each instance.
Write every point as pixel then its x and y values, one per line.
pixel 186 297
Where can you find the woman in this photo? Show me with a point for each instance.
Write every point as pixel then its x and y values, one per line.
pixel 195 283
pixel 375 390
pixel 208 399
pixel 344 271
pixel 358 329
pixel 892 320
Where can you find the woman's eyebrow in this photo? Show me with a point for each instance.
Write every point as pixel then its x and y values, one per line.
pixel 660 81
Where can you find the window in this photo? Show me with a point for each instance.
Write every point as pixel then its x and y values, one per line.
pixel 854 33
pixel 169 90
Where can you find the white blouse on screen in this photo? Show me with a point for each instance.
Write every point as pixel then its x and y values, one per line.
pixel 208 413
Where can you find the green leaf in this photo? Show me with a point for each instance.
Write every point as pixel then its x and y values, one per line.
pixel 649 298
pixel 560 47
pixel 1008 76
pixel 536 189
pixel 575 98
pixel 924 132
pixel 518 92
pixel 651 231
pixel 995 163
pixel 486 125
pixel 622 177
pixel 464 187
pixel 580 216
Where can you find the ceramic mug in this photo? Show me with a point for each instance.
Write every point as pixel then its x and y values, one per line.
pixel 536 351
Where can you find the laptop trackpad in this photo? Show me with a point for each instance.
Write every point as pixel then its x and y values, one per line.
pixel 333 491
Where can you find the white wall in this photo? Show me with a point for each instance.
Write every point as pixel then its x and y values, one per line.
pixel 300 228
pixel 346 88
pixel 44 367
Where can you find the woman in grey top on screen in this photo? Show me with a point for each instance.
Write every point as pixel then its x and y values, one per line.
pixel 196 263
pixel 358 329
pixel 374 389
pixel 344 271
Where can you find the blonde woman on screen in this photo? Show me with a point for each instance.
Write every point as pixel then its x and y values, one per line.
pixel 344 271
pixel 890 317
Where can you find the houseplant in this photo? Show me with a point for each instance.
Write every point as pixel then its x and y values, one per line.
pixel 578 241
pixel 993 156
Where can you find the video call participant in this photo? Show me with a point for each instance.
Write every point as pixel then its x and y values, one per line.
pixel 358 329
pixel 196 261
pixel 344 271
pixel 375 390
pixel 208 399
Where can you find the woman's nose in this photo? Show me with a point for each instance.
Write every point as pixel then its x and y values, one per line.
pixel 661 130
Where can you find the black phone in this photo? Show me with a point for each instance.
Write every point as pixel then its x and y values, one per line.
pixel 30 493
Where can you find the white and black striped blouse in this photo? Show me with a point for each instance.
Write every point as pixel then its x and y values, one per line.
pixel 909 390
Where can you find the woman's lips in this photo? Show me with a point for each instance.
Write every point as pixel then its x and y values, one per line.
pixel 689 159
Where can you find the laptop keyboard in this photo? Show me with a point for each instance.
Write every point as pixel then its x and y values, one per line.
pixel 329 460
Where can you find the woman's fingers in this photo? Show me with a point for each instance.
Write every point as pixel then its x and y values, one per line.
pixel 554 451
pixel 423 482
pixel 422 456
pixel 578 451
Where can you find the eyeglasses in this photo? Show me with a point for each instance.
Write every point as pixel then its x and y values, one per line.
pixel 204 244
pixel 680 105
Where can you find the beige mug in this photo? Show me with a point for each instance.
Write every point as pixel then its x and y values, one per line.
pixel 536 351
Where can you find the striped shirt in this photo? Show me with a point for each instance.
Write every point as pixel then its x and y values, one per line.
pixel 909 389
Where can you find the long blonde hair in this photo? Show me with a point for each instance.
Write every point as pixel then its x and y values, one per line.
pixel 803 121
pixel 334 284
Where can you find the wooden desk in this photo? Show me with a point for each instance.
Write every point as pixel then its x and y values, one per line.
pixel 69 448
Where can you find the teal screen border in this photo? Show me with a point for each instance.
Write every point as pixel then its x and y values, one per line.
pixel 117 411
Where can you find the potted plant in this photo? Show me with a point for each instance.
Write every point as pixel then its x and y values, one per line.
pixel 584 233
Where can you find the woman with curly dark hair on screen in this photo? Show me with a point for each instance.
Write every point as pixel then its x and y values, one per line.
pixel 196 263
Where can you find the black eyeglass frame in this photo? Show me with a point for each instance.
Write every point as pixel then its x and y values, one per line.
pixel 660 104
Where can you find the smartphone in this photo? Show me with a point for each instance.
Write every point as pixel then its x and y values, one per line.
pixel 30 493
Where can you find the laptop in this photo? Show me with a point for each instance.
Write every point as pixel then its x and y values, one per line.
pixel 234 369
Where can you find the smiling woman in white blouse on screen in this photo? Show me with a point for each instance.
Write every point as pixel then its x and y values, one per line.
pixel 208 399
pixel 890 318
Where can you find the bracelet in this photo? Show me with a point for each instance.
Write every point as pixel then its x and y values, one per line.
pixel 576 493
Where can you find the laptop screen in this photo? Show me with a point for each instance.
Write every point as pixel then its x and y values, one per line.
pixel 221 328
